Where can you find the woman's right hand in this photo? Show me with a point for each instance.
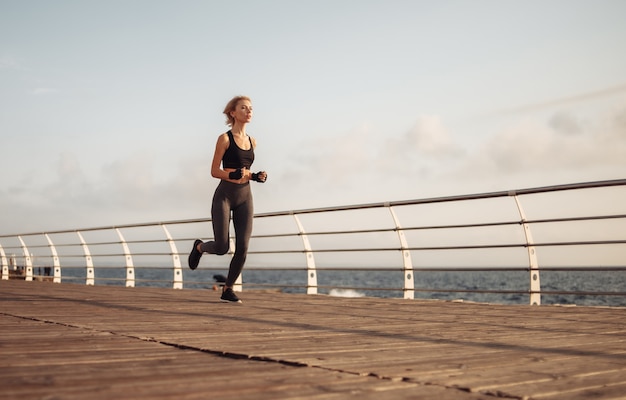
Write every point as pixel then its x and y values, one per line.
pixel 240 175
pixel 236 174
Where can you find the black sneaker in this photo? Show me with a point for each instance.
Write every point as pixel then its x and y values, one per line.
pixel 228 296
pixel 194 256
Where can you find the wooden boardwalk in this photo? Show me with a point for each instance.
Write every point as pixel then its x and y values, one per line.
pixel 65 341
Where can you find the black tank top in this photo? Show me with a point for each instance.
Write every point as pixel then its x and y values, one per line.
pixel 235 157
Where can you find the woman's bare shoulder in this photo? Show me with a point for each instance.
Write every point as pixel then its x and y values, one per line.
pixel 223 138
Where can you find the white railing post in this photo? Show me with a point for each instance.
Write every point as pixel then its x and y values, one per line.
pixel 407 263
pixel 91 277
pixel 311 272
pixel 178 271
pixel 55 261
pixel 5 265
pixel 535 285
pixel 28 261
pixel 130 268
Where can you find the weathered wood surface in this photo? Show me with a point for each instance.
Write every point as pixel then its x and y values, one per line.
pixel 65 341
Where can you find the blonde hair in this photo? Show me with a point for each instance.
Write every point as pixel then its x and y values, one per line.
pixel 232 106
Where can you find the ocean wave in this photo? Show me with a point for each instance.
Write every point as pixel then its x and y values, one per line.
pixel 345 293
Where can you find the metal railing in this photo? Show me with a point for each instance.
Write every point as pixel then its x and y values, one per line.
pixel 442 247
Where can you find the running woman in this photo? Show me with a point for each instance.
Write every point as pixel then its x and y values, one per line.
pixel 233 157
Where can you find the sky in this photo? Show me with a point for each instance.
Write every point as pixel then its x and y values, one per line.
pixel 109 111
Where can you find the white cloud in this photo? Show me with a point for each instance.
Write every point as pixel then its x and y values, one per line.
pixel 428 137
pixel 355 167
pixel 68 167
pixel 566 123
pixel 562 146
pixel 124 191
pixel 335 160
pixel 361 150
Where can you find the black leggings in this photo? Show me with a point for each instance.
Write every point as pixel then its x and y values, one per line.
pixel 238 199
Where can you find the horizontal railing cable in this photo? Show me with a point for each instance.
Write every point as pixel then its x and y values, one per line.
pixel 90 248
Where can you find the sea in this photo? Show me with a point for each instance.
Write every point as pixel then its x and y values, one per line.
pixel 603 287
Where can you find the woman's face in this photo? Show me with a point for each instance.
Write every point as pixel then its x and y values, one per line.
pixel 243 111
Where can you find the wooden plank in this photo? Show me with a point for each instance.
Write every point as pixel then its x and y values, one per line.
pixel 185 344
pixel 168 372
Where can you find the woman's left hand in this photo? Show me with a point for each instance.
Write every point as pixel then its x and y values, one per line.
pixel 260 176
